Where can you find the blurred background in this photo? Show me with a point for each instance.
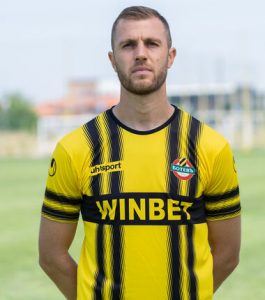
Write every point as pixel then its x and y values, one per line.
pixel 55 76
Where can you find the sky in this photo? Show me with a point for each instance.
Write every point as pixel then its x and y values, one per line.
pixel 45 44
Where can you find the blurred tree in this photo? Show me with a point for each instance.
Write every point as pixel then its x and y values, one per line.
pixel 16 113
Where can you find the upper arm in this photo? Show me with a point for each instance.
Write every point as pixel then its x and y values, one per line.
pixel 61 206
pixel 225 236
pixel 63 195
pixel 55 237
pixel 222 205
pixel 221 196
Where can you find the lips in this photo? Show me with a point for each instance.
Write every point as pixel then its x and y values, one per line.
pixel 141 69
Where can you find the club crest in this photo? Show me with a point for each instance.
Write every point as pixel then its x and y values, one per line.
pixel 182 169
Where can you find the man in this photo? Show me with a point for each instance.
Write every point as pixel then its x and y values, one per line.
pixel 157 189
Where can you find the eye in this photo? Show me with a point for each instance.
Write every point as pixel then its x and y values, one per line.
pixel 152 44
pixel 128 45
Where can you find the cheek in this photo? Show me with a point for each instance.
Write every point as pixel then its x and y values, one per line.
pixel 122 68
pixel 123 62
pixel 162 63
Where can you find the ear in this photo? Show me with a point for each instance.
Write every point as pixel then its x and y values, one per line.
pixel 171 57
pixel 112 60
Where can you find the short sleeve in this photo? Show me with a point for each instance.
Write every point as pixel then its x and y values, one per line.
pixel 222 199
pixel 62 194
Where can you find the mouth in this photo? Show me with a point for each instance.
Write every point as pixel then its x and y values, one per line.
pixel 141 70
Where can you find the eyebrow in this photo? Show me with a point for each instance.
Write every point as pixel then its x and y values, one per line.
pixel 127 41
pixel 155 40
pixel 134 41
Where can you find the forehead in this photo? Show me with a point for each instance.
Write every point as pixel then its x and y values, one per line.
pixel 135 29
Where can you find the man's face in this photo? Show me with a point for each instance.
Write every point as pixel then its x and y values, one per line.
pixel 141 56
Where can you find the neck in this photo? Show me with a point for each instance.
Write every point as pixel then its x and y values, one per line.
pixel 143 112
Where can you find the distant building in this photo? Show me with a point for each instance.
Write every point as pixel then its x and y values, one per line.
pixel 82 97
pixel 82 102
pixel 238 112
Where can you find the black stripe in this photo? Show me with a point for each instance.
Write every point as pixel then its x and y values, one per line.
pixel 182 161
pixel 100 262
pixel 115 152
pixel 173 196
pixel 117 250
pixel 59 214
pixel 174 151
pixel 92 133
pixel 193 281
pixel 217 198
pixel 224 211
pixel 62 199
pixel 174 263
pixel 145 222
pixel 91 212
pixel 193 137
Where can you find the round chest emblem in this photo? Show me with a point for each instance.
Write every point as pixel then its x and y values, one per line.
pixel 182 169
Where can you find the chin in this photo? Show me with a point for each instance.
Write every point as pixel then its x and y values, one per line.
pixel 142 91
pixel 144 83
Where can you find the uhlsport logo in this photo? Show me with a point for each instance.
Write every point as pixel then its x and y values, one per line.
pixel 182 169
pixel 115 166
pixel 52 169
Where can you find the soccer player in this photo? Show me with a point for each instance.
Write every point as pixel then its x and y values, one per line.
pixel 156 188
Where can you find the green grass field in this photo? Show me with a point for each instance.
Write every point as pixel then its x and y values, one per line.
pixel 22 184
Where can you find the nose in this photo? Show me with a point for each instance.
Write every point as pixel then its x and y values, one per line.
pixel 140 52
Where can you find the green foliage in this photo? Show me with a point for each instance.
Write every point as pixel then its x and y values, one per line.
pixel 16 113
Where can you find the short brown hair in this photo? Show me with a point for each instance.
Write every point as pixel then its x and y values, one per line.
pixel 140 13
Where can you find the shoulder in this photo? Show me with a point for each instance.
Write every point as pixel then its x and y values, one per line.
pixel 214 149
pixel 212 139
pixel 209 142
pixel 78 140
pixel 209 138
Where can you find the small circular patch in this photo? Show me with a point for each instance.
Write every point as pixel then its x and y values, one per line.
pixel 52 169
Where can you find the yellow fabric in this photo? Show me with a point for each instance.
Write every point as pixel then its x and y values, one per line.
pixel 145 198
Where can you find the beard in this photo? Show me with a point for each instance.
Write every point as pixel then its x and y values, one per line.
pixel 142 88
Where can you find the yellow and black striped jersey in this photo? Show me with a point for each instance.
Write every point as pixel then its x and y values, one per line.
pixel 145 198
